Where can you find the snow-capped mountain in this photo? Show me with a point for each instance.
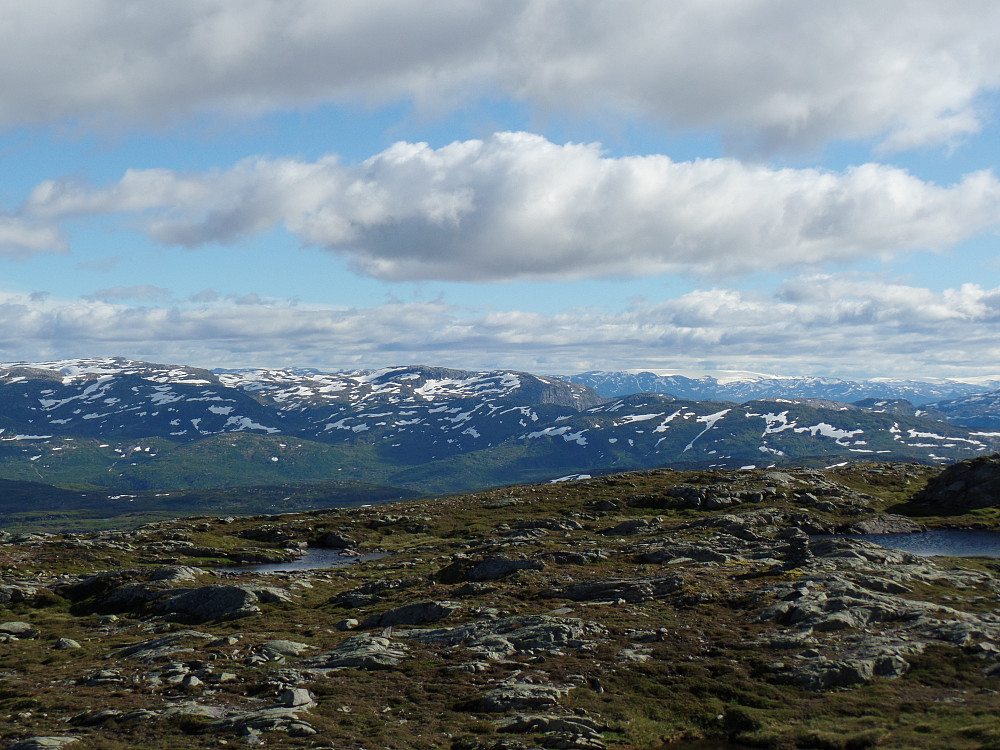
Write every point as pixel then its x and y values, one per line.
pixel 113 422
pixel 435 411
pixel 746 387
pixel 763 432
pixel 121 398
pixel 980 410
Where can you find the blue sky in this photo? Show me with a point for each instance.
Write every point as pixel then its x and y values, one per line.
pixel 545 185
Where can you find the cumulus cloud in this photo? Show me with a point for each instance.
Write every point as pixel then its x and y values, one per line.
pixel 21 238
pixel 516 206
pixel 848 326
pixel 769 73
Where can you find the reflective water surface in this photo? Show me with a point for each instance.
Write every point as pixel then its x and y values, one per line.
pixel 951 542
pixel 315 558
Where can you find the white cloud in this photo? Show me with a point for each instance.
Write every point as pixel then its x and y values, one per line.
pixel 848 326
pixel 21 237
pixel 516 206
pixel 768 73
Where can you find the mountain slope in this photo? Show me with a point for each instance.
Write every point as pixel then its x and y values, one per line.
pixel 979 410
pixel 748 388
pixel 139 426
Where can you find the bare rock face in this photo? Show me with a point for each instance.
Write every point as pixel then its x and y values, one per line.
pixel 519 696
pixel 18 629
pixel 491 568
pixel 884 523
pixel 220 602
pixel 639 590
pixel 417 613
pixel 363 651
pixel 967 485
pixel 493 640
pixel 42 743
pixel 564 731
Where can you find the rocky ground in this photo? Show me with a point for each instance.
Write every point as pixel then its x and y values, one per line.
pixel 658 609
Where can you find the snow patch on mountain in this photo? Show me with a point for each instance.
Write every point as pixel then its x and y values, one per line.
pixel 709 420
pixel 828 430
pixel 245 423
pixel 564 432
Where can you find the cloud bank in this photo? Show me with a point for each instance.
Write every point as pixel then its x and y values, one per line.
pixel 516 206
pixel 770 74
pixel 811 325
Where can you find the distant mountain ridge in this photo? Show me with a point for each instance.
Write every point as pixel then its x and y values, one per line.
pixel 919 393
pixel 977 410
pixel 142 426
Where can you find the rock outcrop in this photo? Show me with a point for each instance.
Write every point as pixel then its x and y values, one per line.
pixel 967 485
pixel 633 610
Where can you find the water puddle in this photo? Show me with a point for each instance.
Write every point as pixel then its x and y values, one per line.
pixel 950 542
pixel 315 558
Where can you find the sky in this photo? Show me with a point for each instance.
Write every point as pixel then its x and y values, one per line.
pixel 553 186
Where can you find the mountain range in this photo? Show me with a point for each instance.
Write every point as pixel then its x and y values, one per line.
pixel 131 426
pixel 750 386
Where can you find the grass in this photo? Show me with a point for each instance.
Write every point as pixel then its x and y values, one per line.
pixel 707 678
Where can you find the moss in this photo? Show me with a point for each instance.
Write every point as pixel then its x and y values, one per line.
pixel 704 664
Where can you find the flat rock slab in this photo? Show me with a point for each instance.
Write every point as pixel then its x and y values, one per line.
pixel 42 743
pixel 883 523
pixel 164 646
pixel 218 602
pixel 560 731
pixel 519 696
pixel 282 648
pixel 528 634
pixel 193 709
pixel 361 651
pixel 16 592
pixel 18 629
pixel 295 697
pixel 273 719
pixel 632 591
pixel 418 613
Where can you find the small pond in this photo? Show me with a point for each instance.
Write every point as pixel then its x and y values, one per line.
pixel 315 558
pixel 951 542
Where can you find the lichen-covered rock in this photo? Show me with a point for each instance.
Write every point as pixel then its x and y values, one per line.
pixel 176 573
pixel 967 485
pixel 612 590
pixel 418 613
pixel 560 731
pixel 155 649
pixel 519 696
pixel 217 602
pixel 371 592
pixel 273 719
pixel 527 634
pixel 43 743
pixel 278 649
pixel 826 674
pixel 294 697
pixel 17 629
pixel 11 593
pixel 883 523
pixel 635 526
pixel 362 651
pixel 493 568
pixel 464 568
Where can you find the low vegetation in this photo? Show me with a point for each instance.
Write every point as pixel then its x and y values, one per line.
pixel 658 609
